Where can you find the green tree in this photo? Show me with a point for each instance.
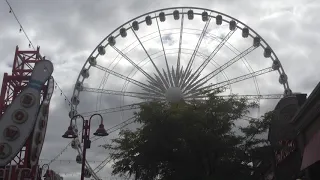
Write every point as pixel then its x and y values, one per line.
pixel 191 141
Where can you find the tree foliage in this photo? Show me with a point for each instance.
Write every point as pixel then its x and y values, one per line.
pixel 191 141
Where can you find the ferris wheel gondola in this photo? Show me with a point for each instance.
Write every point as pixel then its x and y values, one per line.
pixel 79 159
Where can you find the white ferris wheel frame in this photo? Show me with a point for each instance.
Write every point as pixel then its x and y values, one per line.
pixel 155 15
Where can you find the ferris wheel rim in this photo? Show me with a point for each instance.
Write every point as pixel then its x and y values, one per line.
pixel 286 84
pixel 265 45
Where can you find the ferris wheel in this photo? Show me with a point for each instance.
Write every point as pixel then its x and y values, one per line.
pixel 175 54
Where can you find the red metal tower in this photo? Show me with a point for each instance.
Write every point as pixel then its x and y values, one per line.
pixel 12 85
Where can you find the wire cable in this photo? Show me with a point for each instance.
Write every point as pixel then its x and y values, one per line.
pixel 11 11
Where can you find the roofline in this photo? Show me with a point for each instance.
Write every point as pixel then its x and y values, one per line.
pixel 306 106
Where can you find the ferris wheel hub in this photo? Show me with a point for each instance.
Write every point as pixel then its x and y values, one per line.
pixel 174 94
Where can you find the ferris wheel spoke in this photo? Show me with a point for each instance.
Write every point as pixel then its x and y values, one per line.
pixel 146 87
pixel 154 65
pixel 179 52
pixel 153 86
pixel 114 109
pixel 139 68
pixel 117 127
pixel 193 77
pixel 250 97
pixel 185 74
pixel 165 57
pixel 190 63
pixel 122 124
pixel 175 76
pixel 165 75
pixel 102 165
pixel 211 75
pixel 158 79
pixel 198 91
pixel 123 93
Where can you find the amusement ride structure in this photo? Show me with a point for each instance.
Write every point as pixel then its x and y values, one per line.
pixel 24 104
pixel 170 55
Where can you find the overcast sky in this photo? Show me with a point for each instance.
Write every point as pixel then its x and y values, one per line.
pixel 69 30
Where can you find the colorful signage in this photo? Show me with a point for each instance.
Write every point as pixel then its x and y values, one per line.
pixel 40 127
pixel 17 122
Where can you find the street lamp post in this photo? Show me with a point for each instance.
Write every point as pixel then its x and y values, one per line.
pixel 47 173
pixel 101 131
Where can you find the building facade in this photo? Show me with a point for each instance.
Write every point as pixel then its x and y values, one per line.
pixel 307 124
pixel 294 135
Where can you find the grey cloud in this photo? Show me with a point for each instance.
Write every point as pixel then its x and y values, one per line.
pixel 69 30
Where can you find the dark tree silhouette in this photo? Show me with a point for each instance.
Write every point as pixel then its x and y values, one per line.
pixel 192 141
